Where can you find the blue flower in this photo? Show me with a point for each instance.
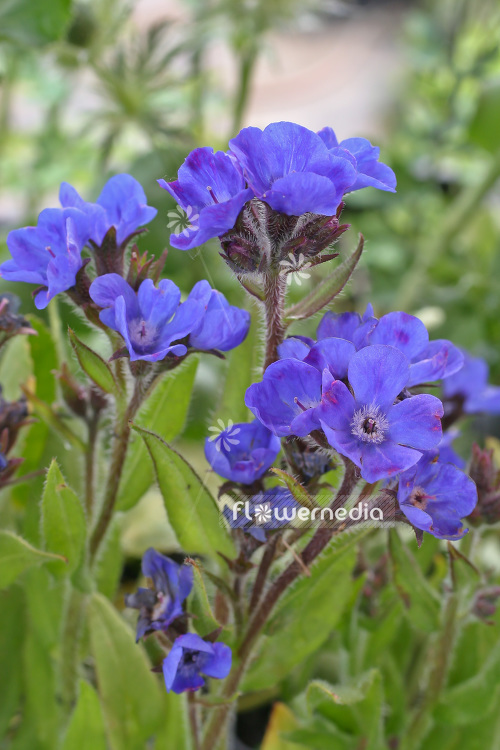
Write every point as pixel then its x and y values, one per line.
pixel 380 436
pixel 272 509
pixel 470 385
pixel 434 496
pixel 122 204
pixel 223 326
pixel 190 658
pixel 290 168
pixel 151 320
pixel 286 399
pixel 447 455
pixel 49 254
pixel 162 604
pixel 371 172
pixel 212 192
pixel 243 452
pixel 429 360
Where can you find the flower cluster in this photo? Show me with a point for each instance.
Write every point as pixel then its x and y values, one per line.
pixel 152 320
pixel 161 608
pixel 247 195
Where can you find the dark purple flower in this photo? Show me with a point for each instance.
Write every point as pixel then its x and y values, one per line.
pixel 271 509
pixel 49 254
pixel 212 192
pixel 290 168
pixel 190 658
pixel 371 172
pixel 380 436
pixel 470 385
pixel 223 326
pixel 434 496
pixel 286 399
pixel 243 452
pixel 151 320
pixel 122 204
pixel 162 604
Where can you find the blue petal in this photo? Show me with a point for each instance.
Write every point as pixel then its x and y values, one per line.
pixel 328 137
pixel 338 325
pixel 171 665
pixel 416 422
pixel 385 460
pixel 125 203
pixel 294 348
pixel 218 665
pixel 405 332
pixel 157 305
pixel 333 354
pixel 286 384
pixel 378 374
pixel 300 192
pixel 438 360
pixel 106 289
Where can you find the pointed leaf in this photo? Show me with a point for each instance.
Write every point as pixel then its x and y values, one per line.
pixel 298 492
pixel 63 519
pixel 327 289
pixel 16 556
pixel 192 511
pixel 93 365
pixel 130 693
pixel 86 727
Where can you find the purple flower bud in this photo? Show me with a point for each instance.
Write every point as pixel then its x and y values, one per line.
pixel 161 605
pixel 243 452
pixel 486 475
pixel 190 659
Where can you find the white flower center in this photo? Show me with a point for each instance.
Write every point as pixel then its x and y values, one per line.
pixel 369 424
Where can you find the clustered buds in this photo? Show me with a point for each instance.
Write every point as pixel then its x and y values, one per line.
pixel 486 475
pixel 13 416
pixel 264 239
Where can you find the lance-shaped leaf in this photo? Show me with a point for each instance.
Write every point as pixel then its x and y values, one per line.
pixel 192 511
pixel 93 365
pixel 86 727
pixel 17 555
pixel 205 621
pixel 130 694
pixel 327 289
pixel 298 492
pixel 63 519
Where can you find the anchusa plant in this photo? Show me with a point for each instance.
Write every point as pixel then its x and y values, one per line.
pixel 349 431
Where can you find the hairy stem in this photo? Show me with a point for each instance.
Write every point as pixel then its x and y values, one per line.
pixel 90 463
pixel 265 565
pixel 122 435
pixel 218 718
pixel 274 302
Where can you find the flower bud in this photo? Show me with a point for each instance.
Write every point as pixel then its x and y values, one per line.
pixel 486 475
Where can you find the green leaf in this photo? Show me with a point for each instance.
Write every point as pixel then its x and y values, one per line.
pixel 109 564
pixel 93 365
pixel 281 721
pixel 31 23
pixel 307 614
pixel 164 413
pixel 205 621
pixel 16 556
pixel 86 727
pixel 297 491
pixel 192 511
pixel 63 519
pixel 42 707
pixel 422 603
pixel 484 126
pixel 130 694
pixel 475 698
pixel 174 731
pixel 326 290
pixel 12 632
pixel 344 695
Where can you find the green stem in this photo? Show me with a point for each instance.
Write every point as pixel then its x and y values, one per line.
pixel 122 435
pixel 218 718
pixel 90 458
